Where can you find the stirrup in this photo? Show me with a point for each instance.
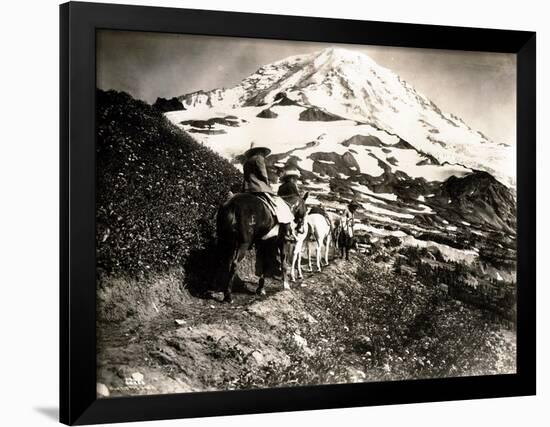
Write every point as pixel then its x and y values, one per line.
pixel 290 237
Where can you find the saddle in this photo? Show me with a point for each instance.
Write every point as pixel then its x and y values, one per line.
pixel 320 211
pixel 268 201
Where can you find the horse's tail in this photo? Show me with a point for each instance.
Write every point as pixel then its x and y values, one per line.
pixel 226 231
pixel 226 224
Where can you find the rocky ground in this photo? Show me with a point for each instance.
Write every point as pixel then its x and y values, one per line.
pixel 354 321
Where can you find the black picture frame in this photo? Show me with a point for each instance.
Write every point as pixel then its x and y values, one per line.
pixel 78 25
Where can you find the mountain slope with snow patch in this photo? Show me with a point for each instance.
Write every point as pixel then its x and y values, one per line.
pixel 356 130
pixel 351 85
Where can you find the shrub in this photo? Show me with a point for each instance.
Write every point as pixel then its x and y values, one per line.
pixel 165 105
pixel 393 241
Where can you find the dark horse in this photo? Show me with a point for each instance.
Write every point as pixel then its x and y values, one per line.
pixel 345 237
pixel 241 223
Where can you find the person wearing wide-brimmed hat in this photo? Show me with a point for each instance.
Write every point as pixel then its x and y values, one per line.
pixel 256 180
pixel 289 183
pixel 353 206
pixel 350 215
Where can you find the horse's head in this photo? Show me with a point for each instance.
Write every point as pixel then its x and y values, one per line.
pixel 299 210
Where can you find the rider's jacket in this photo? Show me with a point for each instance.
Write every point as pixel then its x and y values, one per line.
pixel 288 189
pixel 256 179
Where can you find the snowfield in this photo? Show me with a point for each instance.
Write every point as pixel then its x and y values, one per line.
pixel 287 133
pixel 352 86
pixel 355 130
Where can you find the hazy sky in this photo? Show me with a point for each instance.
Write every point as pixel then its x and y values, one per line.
pixel 479 87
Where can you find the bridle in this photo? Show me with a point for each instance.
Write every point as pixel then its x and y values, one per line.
pixel 293 208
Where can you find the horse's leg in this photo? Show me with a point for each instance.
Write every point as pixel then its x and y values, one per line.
pixel 309 256
pixel 300 275
pixel 261 283
pixel 297 258
pixel 232 269
pixel 228 252
pixel 284 248
pixel 260 267
pixel 327 248
pixel 299 250
pixel 238 255
pixel 293 265
pixel 344 246
pixel 318 254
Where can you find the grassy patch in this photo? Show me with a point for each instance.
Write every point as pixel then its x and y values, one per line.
pixel 387 327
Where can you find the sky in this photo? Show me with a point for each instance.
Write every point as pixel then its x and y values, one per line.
pixel 479 87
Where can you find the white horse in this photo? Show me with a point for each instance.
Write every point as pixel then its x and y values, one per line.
pixel 297 253
pixel 319 228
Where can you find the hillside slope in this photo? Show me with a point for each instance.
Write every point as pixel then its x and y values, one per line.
pixel 157 193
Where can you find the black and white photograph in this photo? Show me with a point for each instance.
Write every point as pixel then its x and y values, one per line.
pixel 275 213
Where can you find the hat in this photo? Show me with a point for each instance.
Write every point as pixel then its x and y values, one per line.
pixel 254 149
pixel 288 172
pixel 354 205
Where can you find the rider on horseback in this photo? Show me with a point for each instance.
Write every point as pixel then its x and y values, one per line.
pixel 256 180
pixel 289 183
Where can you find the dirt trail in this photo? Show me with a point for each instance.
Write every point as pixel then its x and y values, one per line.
pixel 302 335
pixel 205 343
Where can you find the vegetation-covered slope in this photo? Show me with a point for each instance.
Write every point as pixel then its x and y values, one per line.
pixel 157 188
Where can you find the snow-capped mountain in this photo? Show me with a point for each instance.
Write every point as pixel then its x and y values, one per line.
pixel 356 130
pixel 351 85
